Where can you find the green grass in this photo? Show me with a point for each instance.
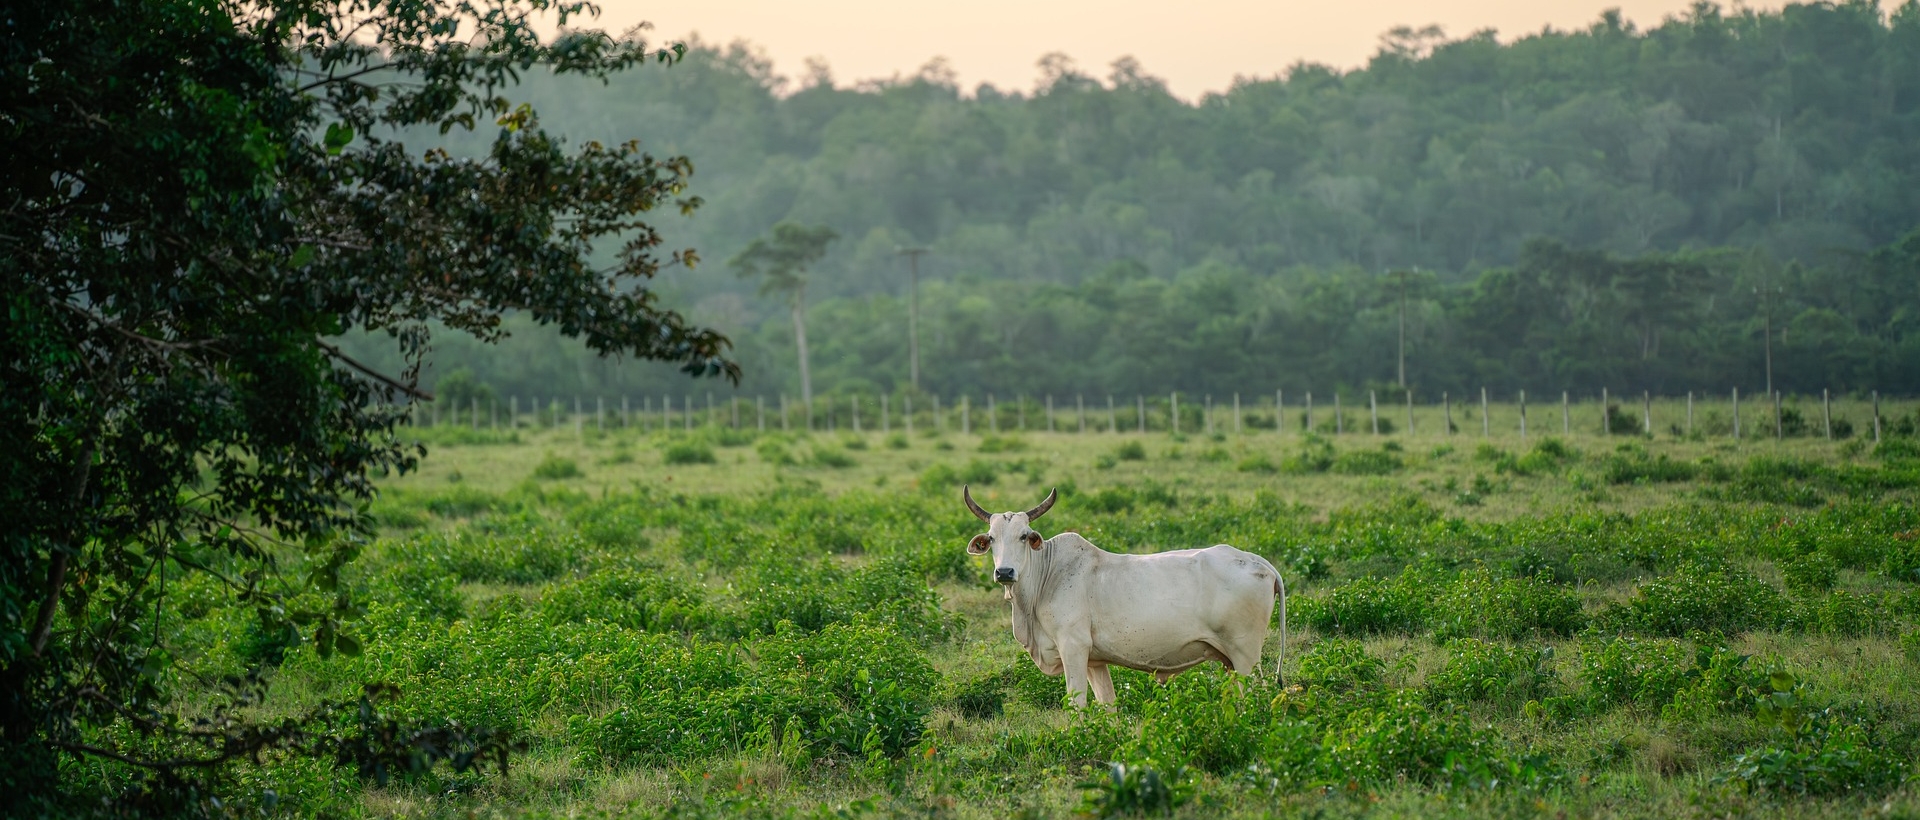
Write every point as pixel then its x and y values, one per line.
pixel 1581 624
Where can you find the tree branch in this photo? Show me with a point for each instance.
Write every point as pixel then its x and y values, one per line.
pixel 389 381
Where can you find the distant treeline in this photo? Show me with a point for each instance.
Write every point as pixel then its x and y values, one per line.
pixel 1603 206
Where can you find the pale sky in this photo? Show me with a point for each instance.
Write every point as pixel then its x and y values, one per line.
pixel 1197 46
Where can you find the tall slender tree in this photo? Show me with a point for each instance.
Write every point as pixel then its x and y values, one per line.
pixel 780 261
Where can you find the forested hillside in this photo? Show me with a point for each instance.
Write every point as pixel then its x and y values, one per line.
pixel 1604 207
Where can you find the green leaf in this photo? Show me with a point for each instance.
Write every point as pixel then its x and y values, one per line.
pixel 301 257
pixel 339 134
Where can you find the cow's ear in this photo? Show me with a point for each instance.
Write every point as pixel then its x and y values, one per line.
pixel 1034 540
pixel 979 545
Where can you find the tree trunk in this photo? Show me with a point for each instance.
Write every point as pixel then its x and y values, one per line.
pixel 800 344
pixel 57 573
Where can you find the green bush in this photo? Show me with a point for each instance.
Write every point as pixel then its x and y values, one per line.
pixel 1340 664
pixel 1257 463
pixel 687 451
pixel 1205 719
pixel 830 457
pixel 553 468
pixel 515 551
pixel 1810 572
pixel 1477 603
pixel 773 451
pixel 1369 605
pixel 1631 464
pixel 1366 462
pixel 1002 444
pixel 644 600
pixel 980 698
pixel 1131 451
pixel 1480 670
pixel 1840 613
pixel 1645 671
pixel 1699 597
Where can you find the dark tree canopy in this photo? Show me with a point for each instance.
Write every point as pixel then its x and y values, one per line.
pixel 194 197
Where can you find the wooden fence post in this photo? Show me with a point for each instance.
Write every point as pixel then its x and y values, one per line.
pixel 886 424
pixel 1876 417
pixel 1689 413
pixel 1826 412
pixel 1606 414
pixel 710 420
pixel 760 413
pixel 686 418
pixel 646 413
pixel 993 415
pixel 1174 414
pixel 1447 404
pixel 1140 409
pixel 1020 410
pixel 600 414
pixel 1049 412
pixel 1566 415
pixel 786 414
pixel 473 413
pixel 1373 409
pixel 1279 410
pixel 1486 424
pixel 1409 412
pixel 1236 412
pixel 1339 421
pixel 1080 410
pixel 1646 411
pixel 906 400
pixel 939 425
pixel 966 413
pixel 734 403
pixel 1736 412
pixel 1206 415
pixel 1523 415
pixel 1308 418
pixel 1779 431
pixel 513 411
pixel 855 404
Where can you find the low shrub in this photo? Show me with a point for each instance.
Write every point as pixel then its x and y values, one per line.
pixel 980 698
pixel 1698 597
pixel 515 551
pixel 830 457
pixel 1002 444
pixel 1631 464
pixel 1840 613
pixel 773 451
pixel 1131 451
pixel 1809 573
pixel 1366 462
pixel 1257 463
pixel 687 451
pixel 1368 605
pixel 1479 604
pixel 639 599
pixel 554 468
pixel 1648 672
pixel 1340 665
pixel 1480 670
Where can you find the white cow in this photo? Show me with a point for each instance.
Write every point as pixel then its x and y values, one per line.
pixel 1079 609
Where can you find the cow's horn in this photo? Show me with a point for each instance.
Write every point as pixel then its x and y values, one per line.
pixel 1036 512
pixel 964 493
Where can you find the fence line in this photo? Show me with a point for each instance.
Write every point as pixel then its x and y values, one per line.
pixel 1776 413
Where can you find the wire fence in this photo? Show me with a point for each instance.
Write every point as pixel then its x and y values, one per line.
pixel 1398 413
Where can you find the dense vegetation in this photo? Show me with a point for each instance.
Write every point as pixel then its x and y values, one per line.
pixel 1098 234
pixel 1482 626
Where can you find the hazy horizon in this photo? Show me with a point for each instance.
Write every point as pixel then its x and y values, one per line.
pixel 1201 51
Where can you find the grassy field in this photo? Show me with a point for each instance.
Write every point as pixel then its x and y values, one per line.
pixel 734 623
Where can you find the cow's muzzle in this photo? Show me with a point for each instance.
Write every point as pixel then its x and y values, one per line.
pixel 1003 575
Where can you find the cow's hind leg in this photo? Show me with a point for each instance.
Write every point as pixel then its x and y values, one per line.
pixel 1102 680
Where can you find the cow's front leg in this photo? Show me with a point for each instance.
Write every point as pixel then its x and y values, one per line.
pixel 1073 655
pixel 1102 679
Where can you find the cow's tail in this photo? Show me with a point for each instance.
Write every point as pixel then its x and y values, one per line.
pixel 1279 667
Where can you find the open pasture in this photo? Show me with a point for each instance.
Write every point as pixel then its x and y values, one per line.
pixel 733 623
